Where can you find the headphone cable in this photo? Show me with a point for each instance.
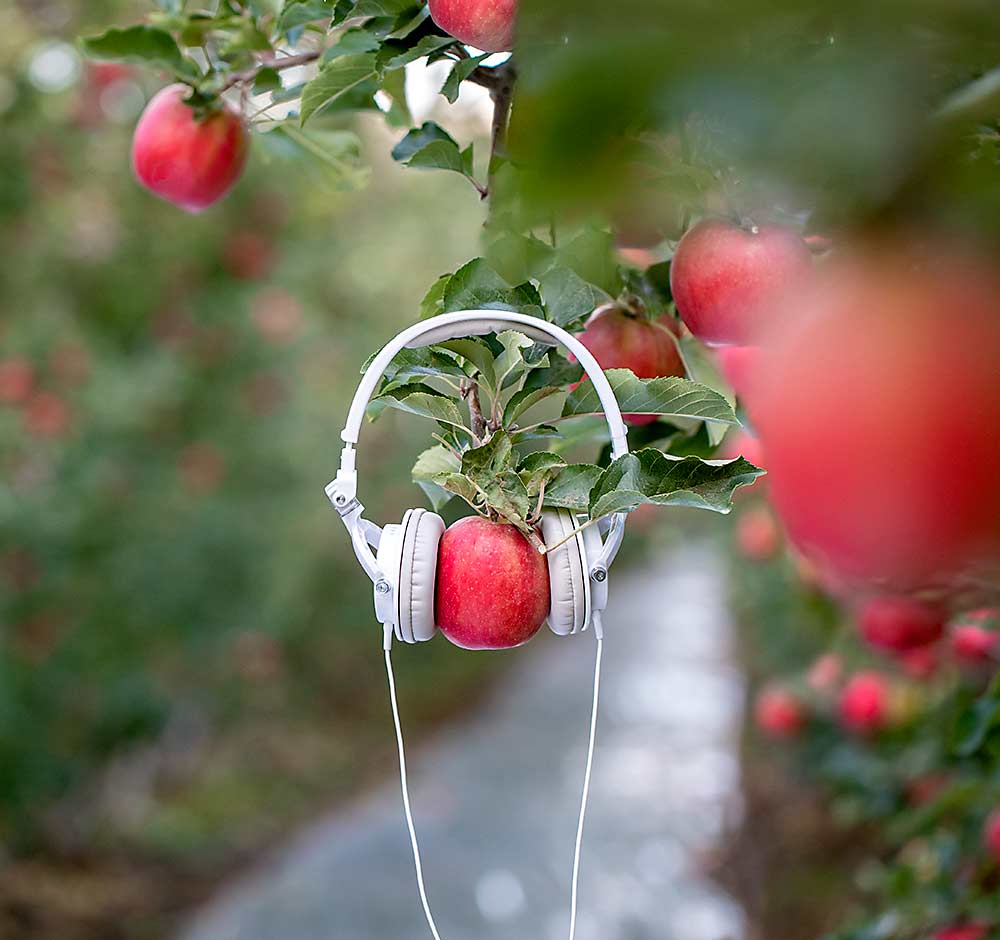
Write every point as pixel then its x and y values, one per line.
pixel 404 785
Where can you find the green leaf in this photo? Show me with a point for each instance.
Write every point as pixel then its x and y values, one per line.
pixel 650 476
pixel 267 80
pixel 462 70
pixel 352 42
pixel 476 285
pixel 443 155
pixel 670 396
pixel 435 462
pixel 141 45
pixel 524 399
pixel 301 12
pixel 490 458
pixel 507 495
pixel 426 403
pixel 568 298
pixel 571 487
pixel 539 469
pixel 395 54
pixel 518 258
pixel 418 138
pixel 510 363
pixel 460 485
pixel 393 8
pixel 394 85
pixel 423 361
pixel 433 301
pixel 334 80
pixel 479 354
pixel 591 254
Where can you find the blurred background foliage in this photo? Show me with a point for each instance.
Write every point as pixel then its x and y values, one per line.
pixel 184 658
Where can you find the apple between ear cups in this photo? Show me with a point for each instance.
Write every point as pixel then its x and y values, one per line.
pixel 402 560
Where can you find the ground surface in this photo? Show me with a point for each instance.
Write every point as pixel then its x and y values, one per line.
pixel 496 797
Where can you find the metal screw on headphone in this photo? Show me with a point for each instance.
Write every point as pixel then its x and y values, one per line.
pixel 599 574
pixel 381 587
pixel 340 499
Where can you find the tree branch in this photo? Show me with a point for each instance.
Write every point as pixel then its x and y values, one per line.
pixel 471 394
pixel 278 63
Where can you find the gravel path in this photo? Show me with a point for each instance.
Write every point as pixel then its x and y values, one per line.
pixel 496 798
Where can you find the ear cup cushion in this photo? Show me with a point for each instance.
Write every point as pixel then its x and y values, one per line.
pixel 422 531
pixel 566 585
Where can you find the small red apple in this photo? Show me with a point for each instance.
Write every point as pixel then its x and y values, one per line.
pixel 247 256
pixel 972 643
pixel 757 535
pixel 185 160
pixel 991 835
pixel 619 340
pixel 46 415
pixel 975 931
pixel 728 281
pixel 484 24
pixel 738 364
pixel 492 589
pixel 779 713
pixel 916 506
pixel 864 702
pixel 17 378
pixel 899 623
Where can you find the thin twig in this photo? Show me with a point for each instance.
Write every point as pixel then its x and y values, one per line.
pixel 470 392
pixel 278 63
pixel 551 548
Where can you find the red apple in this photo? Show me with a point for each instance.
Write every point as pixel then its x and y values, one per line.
pixel 728 281
pixel 971 641
pixel 864 702
pixel 963 932
pixel 919 663
pixel 485 24
pixel 757 535
pixel 185 160
pixel 879 476
pixel 779 713
pixel 247 256
pixel 991 835
pixel 737 364
pixel 899 623
pixel 492 589
pixel 17 378
pixel 619 340
pixel 46 415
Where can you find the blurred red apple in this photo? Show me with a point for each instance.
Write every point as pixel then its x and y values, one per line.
pixel 620 340
pixel 864 702
pixel 899 623
pixel 971 641
pixel 920 663
pixel 737 364
pixel 963 932
pixel 492 589
pixel 17 378
pixel 991 835
pixel 485 24
pixel 757 535
pixel 247 256
pixel 728 281
pixel 877 414
pixel 779 713
pixel 825 672
pixel 189 161
pixel 46 415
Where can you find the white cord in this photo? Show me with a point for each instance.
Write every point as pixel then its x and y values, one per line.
pixel 406 799
pixel 583 801
pixel 586 786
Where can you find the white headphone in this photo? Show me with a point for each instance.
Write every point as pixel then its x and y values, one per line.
pixel 404 568
pixel 404 564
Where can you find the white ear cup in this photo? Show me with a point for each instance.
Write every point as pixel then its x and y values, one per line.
pixel 568 574
pixel 422 531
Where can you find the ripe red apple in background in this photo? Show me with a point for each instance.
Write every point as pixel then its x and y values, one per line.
pixel 963 932
pixel 920 663
pixel 46 415
pixel 492 588
pixel 878 415
pixel 738 364
pixel 899 623
pixel 757 534
pixel 619 340
pixel 485 24
pixel 189 162
pixel 17 378
pixel 864 702
pixel 991 835
pixel 728 281
pixel 779 713
pixel 971 641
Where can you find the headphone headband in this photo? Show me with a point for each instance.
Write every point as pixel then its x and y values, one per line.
pixel 479 322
